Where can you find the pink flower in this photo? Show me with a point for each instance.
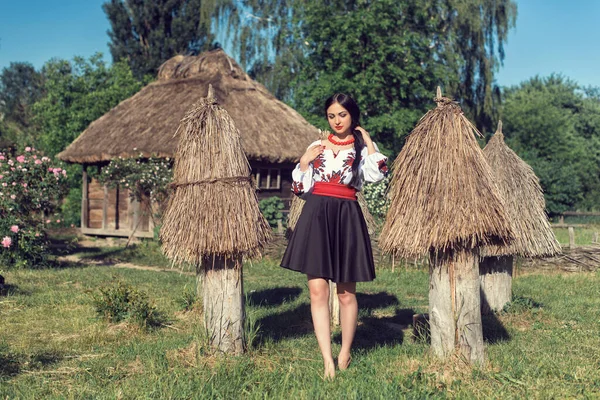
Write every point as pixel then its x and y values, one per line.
pixel 4 184
pixel 25 184
pixel 48 221
pixel 6 242
pixel 14 183
pixel 34 156
pixel 58 221
pixel 50 169
pixel 21 159
pixel 12 168
pixel 64 172
pixel 12 196
pixel 37 234
pixel 14 228
pixel 1 176
pixel 27 148
pixel 38 161
pixel 2 158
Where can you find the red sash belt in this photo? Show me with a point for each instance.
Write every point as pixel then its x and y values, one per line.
pixel 334 190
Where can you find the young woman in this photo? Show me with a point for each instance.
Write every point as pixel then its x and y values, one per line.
pixel 331 241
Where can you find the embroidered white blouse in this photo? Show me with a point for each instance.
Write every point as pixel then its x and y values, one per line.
pixel 337 168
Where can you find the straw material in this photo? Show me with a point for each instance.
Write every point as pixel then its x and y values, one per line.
pixel 213 209
pixel 144 123
pixel 442 194
pixel 524 200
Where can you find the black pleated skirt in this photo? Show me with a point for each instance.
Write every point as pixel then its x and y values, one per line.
pixel 331 241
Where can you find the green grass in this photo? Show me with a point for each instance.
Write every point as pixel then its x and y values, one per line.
pixel 52 344
pixel 583 236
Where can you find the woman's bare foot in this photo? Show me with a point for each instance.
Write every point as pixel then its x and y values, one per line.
pixel 344 361
pixel 329 372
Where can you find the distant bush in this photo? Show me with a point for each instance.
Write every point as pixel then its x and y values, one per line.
pixel 119 301
pixel 271 208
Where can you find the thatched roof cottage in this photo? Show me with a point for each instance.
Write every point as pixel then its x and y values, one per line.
pixel 273 135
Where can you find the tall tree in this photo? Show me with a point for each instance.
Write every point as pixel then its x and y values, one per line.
pixel 472 34
pixel 145 33
pixel 78 93
pixel 20 86
pixel 391 55
pixel 554 126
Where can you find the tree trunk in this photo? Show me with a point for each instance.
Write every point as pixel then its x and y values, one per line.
pixel 455 306
pixel 495 276
pixel 334 304
pixel 224 303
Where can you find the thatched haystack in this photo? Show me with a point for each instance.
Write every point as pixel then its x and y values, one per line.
pixel 442 190
pixel 444 203
pixel 212 218
pixel 525 206
pixel 524 201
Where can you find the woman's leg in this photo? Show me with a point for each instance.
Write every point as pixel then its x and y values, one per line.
pixel 349 315
pixel 319 307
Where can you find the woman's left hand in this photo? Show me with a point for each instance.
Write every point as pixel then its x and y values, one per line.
pixel 365 134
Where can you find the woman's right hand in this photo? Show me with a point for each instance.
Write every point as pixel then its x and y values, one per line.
pixel 311 153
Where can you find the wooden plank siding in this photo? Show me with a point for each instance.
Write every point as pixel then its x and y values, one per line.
pixel 111 212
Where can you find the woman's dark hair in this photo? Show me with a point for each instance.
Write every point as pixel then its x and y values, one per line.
pixel 349 104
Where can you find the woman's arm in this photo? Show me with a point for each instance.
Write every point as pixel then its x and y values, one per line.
pixel 374 164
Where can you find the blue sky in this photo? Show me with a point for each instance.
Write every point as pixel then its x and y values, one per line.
pixel 550 36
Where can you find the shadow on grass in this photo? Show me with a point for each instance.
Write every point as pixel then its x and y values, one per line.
pixel 493 330
pixel 12 290
pixel 13 364
pixel 273 296
pixel 64 247
pixel 288 324
pixel 372 301
pixel 373 332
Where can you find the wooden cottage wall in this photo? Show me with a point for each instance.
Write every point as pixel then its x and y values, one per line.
pixel 111 212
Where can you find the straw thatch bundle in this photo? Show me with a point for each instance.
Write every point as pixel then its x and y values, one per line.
pixel 213 209
pixel 524 200
pixel 442 192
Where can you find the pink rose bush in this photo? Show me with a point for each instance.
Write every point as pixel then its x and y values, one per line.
pixel 30 187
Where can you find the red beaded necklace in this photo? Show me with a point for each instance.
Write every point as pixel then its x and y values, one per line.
pixel 333 140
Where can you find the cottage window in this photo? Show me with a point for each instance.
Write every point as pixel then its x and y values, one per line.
pixel 268 178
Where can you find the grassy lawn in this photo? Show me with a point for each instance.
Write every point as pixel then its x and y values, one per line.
pixel 583 236
pixel 52 344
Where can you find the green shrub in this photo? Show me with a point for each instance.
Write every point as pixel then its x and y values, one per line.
pixel 120 301
pixel 188 299
pixel 271 208
pixel 376 197
pixel 30 186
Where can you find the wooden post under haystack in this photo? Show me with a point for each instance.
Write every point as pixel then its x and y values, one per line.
pixel 212 219
pixel 525 206
pixel 444 204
